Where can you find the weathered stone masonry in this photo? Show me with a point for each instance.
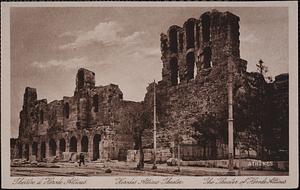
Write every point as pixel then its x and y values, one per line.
pixel 191 103
pixel 94 121
pixel 192 95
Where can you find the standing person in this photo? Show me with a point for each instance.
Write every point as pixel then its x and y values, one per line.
pixel 81 159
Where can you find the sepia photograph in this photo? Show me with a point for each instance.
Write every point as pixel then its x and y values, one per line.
pixel 149 95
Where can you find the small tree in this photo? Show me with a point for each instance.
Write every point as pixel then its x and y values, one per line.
pixel 262 69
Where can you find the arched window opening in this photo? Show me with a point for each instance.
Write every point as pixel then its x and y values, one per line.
pixel 207 58
pixel 62 145
pixel 52 147
pixel 73 144
pixel 198 35
pixel 96 102
pixel 96 146
pixel 173 40
pixel 80 79
pixel 205 28
pixel 190 34
pixel 190 61
pixel 67 110
pixel 181 41
pixel 42 116
pixel 174 71
pixel 84 144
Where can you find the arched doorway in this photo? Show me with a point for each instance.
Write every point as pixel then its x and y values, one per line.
pixel 62 145
pixel 96 143
pixel 52 147
pixel 27 151
pixel 84 144
pixel 73 144
pixel 34 148
pixel 20 149
pixel 43 150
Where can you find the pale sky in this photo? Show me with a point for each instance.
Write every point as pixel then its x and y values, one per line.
pixel 121 45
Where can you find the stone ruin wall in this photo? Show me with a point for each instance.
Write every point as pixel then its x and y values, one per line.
pixel 193 88
pixel 92 111
pixel 194 76
pixel 277 119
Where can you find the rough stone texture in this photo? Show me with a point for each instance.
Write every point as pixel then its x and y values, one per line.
pixel 193 96
pixel 277 120
pixel 96 119
pixel 191 99
pixel 162 155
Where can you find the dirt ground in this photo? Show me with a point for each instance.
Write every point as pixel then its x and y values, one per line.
pixel 126 169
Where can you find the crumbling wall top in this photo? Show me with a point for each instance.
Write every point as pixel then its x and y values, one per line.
pixel 282 77
pixel 174 27
pixel 85 79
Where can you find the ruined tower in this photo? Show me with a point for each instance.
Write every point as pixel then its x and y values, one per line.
pixel 85 79
pixel 192 50
pixel 192 96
